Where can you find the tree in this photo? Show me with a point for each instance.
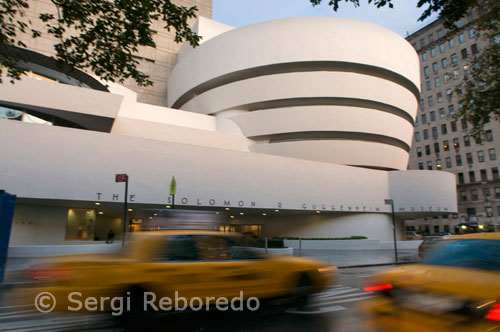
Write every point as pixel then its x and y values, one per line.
pixel 481 90
pixel 98 35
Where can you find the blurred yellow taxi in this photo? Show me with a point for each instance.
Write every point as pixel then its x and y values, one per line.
pixel 184 263
pixel 456 288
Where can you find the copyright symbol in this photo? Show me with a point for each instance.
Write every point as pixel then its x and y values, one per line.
pixel 45 302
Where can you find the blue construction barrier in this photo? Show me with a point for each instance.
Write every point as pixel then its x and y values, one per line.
pixel 7 205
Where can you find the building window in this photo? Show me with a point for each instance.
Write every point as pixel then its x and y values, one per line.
pixel 456 144
pixel 458 159
pixel 435 68
pixel 469 158
pixel 434 132
pixel 419 152
pixel 454 58
pixel 440 33
pixel 444 63
pixel 464 123
pixel 494 173
pixel 449 94
pixel 442 48
pixel 439 165
pixel 430 101
pixel 461 38
pixel 463 196
pixel 80 224
pixel 453 125
pixel 484 175
pixel 451 109
pixel 486 194
pixel 424 56
pixel 433 52
pixel 429 165
pixel 446 145
pixel 422 43
pixel 448 162
pixel 480 156
pixel 461 179
pixel 444 129
pixel 489 136
pixel 427 150
pixel 424 119
pixel 426 133
pixel 497 192
pixel 472 177
pixel 426 71
pixel 442 114
pixel 466 140
pixel 437 82
pixel 436 147
pixel 451 43
pixel 421 166
pixel 472 33
pixel 456 73
pixel 478 140
pixel 466 70
pixel 439 97
pixel 422 104
pixel 473 195
pixel 489 211
pixel 431 38
pixel 417 136
pixel 428 85
pixel 492 153
pixel 433 116
pixel 463 52
pixel 473 49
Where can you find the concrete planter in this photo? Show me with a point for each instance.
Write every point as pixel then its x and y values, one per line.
pixel 54 250
pixel 351 244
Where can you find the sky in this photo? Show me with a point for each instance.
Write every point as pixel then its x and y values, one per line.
pixel 402 19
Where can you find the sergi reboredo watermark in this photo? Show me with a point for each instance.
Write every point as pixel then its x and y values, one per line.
pixel 149 302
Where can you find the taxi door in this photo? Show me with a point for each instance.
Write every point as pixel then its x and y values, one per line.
pixel 177 268
pixel 229 271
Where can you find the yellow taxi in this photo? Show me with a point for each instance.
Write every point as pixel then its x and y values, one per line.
pixel 456 288
pixel 156 268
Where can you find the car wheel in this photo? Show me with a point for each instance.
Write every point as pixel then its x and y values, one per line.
pixel 135 313
pixel 302 291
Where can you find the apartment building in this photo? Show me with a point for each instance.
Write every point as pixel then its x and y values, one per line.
pixel 442 143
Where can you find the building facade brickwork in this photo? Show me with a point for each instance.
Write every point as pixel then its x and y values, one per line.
pixel 442 143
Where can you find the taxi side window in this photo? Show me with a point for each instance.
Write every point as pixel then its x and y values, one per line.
pixel 242 250
pixel 180 248
pixel 212 248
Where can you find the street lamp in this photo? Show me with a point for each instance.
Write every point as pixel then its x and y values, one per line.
pixel 391 203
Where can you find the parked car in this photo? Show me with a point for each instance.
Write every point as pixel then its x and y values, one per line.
pixel 456 288
pixel 201 264
pixel 413 235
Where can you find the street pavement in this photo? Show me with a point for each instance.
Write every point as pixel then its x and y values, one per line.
pixel 332 310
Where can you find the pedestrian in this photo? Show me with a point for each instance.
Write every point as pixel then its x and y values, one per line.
pixel 111 236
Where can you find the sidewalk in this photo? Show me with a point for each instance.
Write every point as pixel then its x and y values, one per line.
pixel 345 258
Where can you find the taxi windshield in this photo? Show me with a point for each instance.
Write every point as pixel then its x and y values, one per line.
pixel 468 253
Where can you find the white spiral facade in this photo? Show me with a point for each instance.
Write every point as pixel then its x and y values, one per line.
pixel 324 89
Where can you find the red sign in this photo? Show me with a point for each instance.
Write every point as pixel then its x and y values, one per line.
pixel 121 178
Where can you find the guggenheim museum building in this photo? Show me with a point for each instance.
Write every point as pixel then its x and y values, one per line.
pixel 296 127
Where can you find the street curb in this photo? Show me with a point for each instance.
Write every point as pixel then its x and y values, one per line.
pixel 381 264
